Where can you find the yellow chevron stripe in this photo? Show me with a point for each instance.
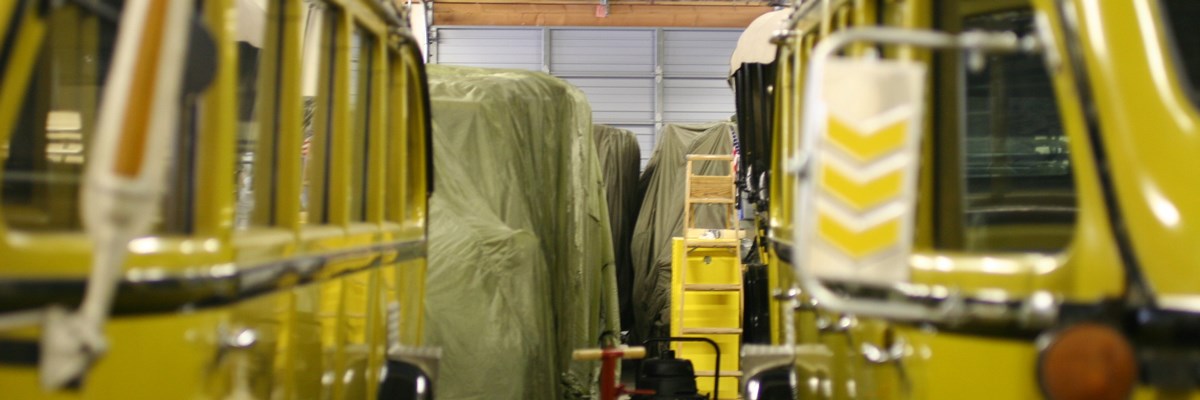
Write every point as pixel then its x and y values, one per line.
pixel 866 146
pixel 859 244
pixel 861 195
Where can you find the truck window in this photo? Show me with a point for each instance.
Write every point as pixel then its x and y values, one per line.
pixel 1179 14
pixel 46 155
pixel 1018 191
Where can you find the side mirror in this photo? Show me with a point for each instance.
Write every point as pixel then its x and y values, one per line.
pixel 405 381
pixel 856 167
pixel 410 373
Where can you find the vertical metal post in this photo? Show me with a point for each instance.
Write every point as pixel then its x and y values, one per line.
pixel 659 45
pixel 546 32
pixel 431 39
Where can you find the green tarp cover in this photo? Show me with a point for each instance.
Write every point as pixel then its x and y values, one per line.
pixel 661 216
pixel 520 252
pixel 620 158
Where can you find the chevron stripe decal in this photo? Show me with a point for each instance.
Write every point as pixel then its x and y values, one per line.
pixel 862 195
pixel 869 145
pixel 859 243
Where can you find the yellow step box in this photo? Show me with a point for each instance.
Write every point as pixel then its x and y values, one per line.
pixel 706 301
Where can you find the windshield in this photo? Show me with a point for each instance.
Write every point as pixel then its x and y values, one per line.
pixel 45 156
pixel 1178 14
pixel 1019 192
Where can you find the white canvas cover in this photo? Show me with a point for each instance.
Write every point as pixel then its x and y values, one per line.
pixel 754 46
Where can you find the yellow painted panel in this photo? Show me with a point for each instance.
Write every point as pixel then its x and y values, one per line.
pixel 309 361
pixel 946 366
pixel 170 356
pixel 409 281
pixel 861 195
pixel 1149 393
pixel 859 244
pixel 867 146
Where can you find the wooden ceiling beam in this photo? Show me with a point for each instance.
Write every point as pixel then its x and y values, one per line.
pixel 617 2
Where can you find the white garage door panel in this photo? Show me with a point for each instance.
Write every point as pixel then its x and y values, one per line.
pixel 523 47
pixel 459 59
pixel 565 63
pixel 601 51
pixel 696 100
pixel 562 47
pixel 614 83
pixel 495 48
pixel 618 100
pixel 695 52
pixel 632 36
pixel 678 66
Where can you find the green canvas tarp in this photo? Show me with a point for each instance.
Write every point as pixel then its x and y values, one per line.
pixel 520 252
pixel 620 159
pixel 661 217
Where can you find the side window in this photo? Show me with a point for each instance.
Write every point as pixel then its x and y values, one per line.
pixel 1018 193
pixel 1179 15
pixel 320 36
pixel 45 157
pixel 396 120
pixel 418 172
pixel 361 58
pixel 252 155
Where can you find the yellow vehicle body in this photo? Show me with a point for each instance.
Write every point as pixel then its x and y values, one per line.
pixel 1130 128
pixel 301 300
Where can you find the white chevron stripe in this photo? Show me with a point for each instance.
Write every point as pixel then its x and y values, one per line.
pixel 862 173
pixel 885 268
pixel 867 127
pixel 856 222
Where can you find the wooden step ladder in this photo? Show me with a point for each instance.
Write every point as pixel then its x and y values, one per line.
pixel 700 190
pixel 713 256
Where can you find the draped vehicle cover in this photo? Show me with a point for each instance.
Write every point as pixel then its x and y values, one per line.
pixel 520 252
pixel 661 216
pixel 620 157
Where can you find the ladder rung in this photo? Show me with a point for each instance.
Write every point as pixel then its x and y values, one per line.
pixel 710 157
pixel 712 287
pixel 710 200
pixel 711 242
pixel 711 331
pixel 699 233
pixel 723 373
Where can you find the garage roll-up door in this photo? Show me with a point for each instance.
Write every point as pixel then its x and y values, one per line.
pixel 635 78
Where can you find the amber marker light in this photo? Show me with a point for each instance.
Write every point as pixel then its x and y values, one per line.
pixel 1087 361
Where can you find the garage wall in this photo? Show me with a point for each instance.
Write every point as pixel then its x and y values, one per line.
pixel 635 78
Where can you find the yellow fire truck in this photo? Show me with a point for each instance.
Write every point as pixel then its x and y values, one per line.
pixel 979 199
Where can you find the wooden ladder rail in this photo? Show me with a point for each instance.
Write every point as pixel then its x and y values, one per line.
pixel 711 189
